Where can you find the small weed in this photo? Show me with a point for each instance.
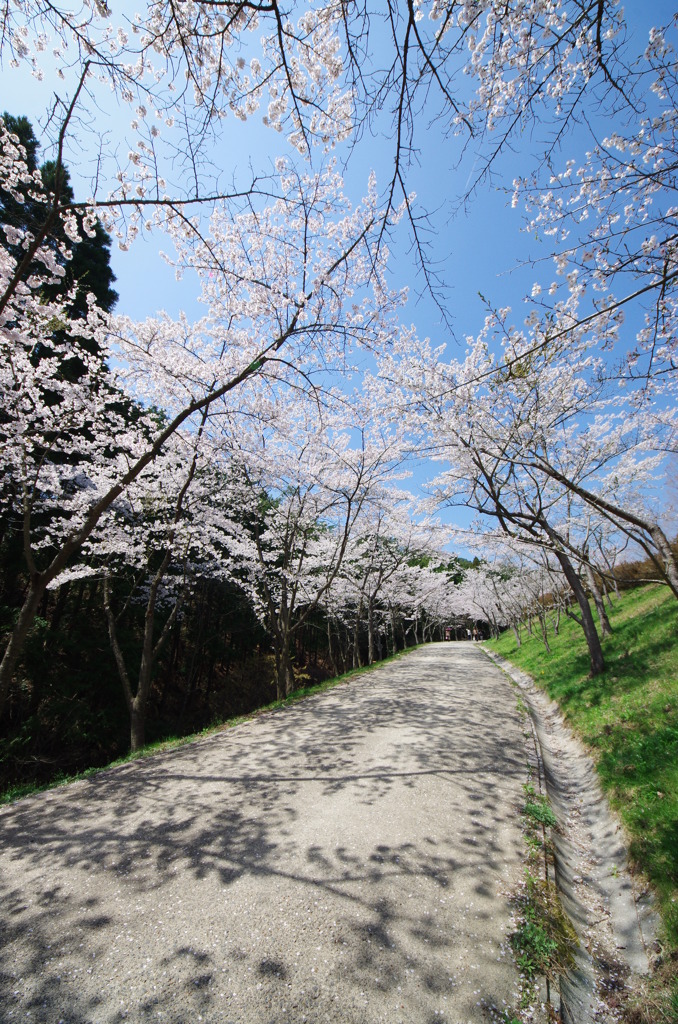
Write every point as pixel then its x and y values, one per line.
pixel 522 707
pixel 537 810
pixel 534 949
pixel 540 811
pixel 545 939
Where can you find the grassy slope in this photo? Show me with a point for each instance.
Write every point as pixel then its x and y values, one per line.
pixel 628 717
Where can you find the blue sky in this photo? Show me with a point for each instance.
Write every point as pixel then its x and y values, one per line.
pixel 477 248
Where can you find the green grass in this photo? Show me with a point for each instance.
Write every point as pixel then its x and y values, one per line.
pixel 544 940
pixel 540 811
pixel 628 718
pixel 16 792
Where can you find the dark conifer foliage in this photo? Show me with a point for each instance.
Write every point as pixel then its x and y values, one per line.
pixel 89 259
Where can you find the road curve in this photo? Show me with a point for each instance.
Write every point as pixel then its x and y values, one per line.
pixel 346 860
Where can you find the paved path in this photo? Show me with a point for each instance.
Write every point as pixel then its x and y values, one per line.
pixel 345 860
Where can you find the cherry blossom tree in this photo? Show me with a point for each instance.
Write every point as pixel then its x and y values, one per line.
pixel 476 600
pixel 397 532
pixel 321 75
pixel 169 529
pixel 430 591
pixel 180 70
pixel 284 262
pixel 577 427
pixel 609 220
pixel 289 303
pixel 542 438
pixel 303 486
pixel 480 424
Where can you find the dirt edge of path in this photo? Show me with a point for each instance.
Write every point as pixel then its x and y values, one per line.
pixel 615 921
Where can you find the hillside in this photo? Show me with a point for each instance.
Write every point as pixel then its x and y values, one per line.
pixel 628 718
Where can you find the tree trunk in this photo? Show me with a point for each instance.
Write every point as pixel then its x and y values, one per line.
pixel 544 631
pixel 285 680
pixel 357 663
pixel 59 608
pixel 330 648
pixel 342 636
pixel 371 652
pixel 587 623
pixel 136 703
pixel 394 636
pixel 148 657
pixel 668 559
pixel 20 632
pixel 137 724
pixel 74 612
pixel 605 627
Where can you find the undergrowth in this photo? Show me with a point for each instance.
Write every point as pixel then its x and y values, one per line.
pixel 544 939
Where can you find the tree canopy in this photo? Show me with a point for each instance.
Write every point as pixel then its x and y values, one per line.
pixel 299 392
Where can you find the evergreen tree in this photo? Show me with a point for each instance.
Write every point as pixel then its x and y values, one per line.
pixel 88 261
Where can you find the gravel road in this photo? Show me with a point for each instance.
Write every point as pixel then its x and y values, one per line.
pixel 346 860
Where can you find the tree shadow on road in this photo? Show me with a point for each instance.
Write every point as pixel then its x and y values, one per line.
pixel 89 871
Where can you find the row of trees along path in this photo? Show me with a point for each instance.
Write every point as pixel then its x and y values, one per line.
pixel 136 444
